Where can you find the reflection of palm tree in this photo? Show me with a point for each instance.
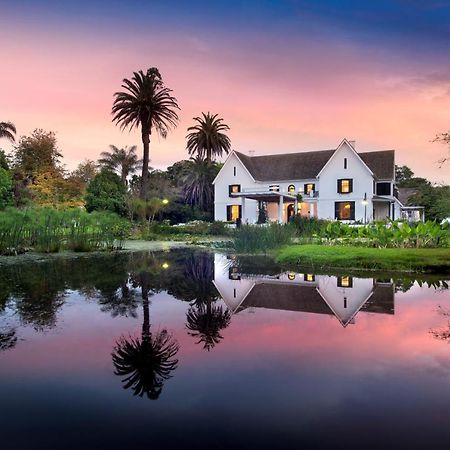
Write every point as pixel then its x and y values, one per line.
pixel 205 322
pixel 146 362
pixel 8 339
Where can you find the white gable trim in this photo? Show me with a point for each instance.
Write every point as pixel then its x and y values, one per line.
pixel 225 163
pixel 344 141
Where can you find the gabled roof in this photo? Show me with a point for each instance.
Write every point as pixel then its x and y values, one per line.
pixel 306 165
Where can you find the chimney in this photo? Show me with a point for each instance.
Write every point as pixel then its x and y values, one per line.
pixel 353 144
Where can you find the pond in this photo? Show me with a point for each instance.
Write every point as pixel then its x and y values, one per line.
pixel 189 349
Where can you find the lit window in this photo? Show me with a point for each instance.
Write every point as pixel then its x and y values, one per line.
pixel 291 189
pixel 309 277
pixel 234 188
pixel 291 276
pixel 345 282
pixel 345 210
pixel 233 273
pixel 309 187
pixel 234 212
pixel 345 186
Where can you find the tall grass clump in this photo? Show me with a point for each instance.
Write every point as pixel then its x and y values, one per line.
pixel 49 230
pixel 258 239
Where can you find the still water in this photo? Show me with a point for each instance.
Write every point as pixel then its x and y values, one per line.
pixel 190 349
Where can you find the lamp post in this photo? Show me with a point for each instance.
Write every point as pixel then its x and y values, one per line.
pixel 364 202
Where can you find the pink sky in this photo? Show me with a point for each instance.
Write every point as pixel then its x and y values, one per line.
pixel 277 96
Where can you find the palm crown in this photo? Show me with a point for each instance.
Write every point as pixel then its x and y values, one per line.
pixel 147 103
pixel 124 160
pixel 207 139
pixel 8 131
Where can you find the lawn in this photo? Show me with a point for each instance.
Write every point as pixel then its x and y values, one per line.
pixel 391 259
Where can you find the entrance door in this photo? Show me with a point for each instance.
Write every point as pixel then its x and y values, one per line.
pixel 290 211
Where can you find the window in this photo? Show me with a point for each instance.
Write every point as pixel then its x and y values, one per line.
pixel 309 277
pixel 383 188
pixel 344 210
pixel 291 189
pixel 233 273
pixel 234 170
pixel 291 276
pixel 309 188
pixel 345 282
pixel 345 186
pixel 233 189
pixel 233 212
pixel 345 163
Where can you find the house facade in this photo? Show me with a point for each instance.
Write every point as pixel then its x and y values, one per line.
pixel 339 184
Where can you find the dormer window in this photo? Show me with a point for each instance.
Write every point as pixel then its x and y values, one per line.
pixel 345 282
pixel 309 188
pixel 345 186
pixel 291 189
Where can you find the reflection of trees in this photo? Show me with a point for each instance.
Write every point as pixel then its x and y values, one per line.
pixel 205 321
pixel 442 333
pixel 8 339
pixel 145 363
pixel 119 301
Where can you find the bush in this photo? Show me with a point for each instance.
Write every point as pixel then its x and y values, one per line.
pixel 254 239
pixel 308 226
pixel 6 193
pixel 106 192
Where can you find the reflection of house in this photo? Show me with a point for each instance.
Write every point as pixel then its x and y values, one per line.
pixel 342 297
pixel 334 184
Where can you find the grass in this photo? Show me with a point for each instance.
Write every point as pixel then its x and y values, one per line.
pixel 360 258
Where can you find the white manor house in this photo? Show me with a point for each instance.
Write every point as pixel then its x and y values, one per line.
pixel 339 184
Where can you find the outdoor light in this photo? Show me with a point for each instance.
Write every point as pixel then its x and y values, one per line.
pixel 364 202
pixel 165 201
pixel 165 265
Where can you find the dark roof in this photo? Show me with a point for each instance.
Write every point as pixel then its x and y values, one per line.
pixel 306 165
pixel 404 194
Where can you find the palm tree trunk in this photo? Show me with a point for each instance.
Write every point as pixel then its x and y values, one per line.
pixel 146 132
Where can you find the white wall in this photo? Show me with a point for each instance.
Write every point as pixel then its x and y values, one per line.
pixel 362 184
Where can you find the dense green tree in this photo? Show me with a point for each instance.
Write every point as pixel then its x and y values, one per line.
pixel 4 164
pixel 207 138
pixel 37 153
pixel 198 189
pixel 123 160
pixel 106 192
pixel 147 103
pixel 8 131
pixel 6 188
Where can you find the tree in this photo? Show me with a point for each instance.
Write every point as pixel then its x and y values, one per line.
pixel 197 188
pixel 85 171
pixel 3 160
pixel 6 193
pixel 8 131
pixel 207 139
pixel 37 153
pixel 122 160
pixel 106 192
pixel 443 138
pixel 146 103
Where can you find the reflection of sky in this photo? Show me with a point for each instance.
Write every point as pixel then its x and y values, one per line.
pixel 286 75
pixel 274 372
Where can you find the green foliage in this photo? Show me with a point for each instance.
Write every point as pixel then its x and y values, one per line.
pixel 254 239
pixel 49 230
pixel 262 213
pixel 388 234
pixel 6 194
pixel 106 192
pixel 308 226
pixel 4 164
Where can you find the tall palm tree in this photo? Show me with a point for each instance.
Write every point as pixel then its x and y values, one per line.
pixel 197 179
pixel 207 139
pixel 124 160
pixel 146 103
pixel 146 362
pixel 8 131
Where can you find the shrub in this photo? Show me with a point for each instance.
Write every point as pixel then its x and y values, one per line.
pixel 254 239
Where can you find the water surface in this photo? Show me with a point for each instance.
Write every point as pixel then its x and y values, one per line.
pixel 190 349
